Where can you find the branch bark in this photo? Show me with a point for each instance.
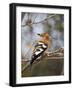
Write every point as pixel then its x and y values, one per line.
pixel 55 55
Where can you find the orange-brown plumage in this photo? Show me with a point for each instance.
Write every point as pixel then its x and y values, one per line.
pixel 45 38
pixel 41 47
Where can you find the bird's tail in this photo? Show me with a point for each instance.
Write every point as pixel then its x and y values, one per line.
pixel 31 62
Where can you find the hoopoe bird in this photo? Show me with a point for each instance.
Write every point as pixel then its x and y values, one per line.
pixel 41 47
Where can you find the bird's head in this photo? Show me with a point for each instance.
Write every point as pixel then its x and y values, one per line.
pixel 46 38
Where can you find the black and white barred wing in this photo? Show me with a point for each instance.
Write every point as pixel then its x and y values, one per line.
pixel 40 48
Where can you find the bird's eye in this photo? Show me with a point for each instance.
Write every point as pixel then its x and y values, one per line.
pixel 38 34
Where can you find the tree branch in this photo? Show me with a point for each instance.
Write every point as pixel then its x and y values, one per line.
pixel 55 55
pixel 40 21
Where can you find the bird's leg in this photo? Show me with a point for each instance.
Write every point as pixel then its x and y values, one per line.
pixel 46 53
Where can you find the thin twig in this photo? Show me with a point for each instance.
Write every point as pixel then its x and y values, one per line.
pixel 44 19
pixel 40 21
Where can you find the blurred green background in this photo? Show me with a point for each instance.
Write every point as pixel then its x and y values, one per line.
pixel 44 68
